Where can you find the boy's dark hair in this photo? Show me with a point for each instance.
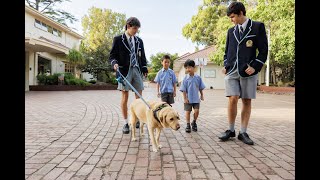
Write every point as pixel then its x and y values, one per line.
pixel 235 8
pixel 189 62
pixel 133 21
pixel 165 57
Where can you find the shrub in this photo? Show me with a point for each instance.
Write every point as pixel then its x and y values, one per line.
pixel 151 76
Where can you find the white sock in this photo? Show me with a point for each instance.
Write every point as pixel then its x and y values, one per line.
pixel 126 120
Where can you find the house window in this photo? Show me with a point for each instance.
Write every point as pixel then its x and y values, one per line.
pixel 68 68
pixel 37 24
pixel 47 28
pixel 44 65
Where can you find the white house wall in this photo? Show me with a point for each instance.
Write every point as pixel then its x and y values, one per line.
pixel 34 32
pixel 216 82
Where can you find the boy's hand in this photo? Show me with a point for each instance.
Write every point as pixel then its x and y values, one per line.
pixel 186 101
pixel 224 71
pixel 202 98
pixel 174 94
pixel 115 67
pixel 159 95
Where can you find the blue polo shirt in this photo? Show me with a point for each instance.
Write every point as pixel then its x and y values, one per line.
pixel 166 79
pixel 192 85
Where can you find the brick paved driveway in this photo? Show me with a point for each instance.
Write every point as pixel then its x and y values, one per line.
pixel 78 135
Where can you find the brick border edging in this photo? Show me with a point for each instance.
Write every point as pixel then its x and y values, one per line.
pixel 71 87
pixel 276 90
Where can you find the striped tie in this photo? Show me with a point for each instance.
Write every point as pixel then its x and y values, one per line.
pixel 132 54
pixel 241 32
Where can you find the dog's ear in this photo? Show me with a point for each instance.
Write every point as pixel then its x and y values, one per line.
pixel 162 119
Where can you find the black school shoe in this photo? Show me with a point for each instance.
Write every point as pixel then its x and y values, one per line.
pixel 194 126
pixel 226 135
pixel 188 129
pixel 244 137
pixel 125 129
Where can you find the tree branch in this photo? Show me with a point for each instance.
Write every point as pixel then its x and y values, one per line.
pixel 46 6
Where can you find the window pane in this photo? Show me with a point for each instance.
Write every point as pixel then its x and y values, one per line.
pixel 44 27
pixel 37 24
pixel 50 29
pixel 55 32
pixel 59 33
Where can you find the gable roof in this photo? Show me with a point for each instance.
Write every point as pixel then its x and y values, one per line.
pixel 203 53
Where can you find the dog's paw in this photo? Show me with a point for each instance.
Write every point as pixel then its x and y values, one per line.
pixel 142 134
pixel 134 139
pixel 155 150
pixel 160 146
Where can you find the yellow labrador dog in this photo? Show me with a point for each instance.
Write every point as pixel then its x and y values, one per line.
pixel 161 115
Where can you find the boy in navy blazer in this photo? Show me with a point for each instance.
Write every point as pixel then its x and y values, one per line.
pixel 127 54
pixel 241 66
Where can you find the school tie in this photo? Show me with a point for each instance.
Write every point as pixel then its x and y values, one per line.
pixel 241 32
pixel 133 58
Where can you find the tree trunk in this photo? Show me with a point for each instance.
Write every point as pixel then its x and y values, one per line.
pixel 273 72
pixel 37 4
pixel 75 71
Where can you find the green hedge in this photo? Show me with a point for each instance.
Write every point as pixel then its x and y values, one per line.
pixel 69 79
pixel 151 76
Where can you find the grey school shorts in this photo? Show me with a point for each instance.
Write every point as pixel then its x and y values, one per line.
pixel 244 87
pixel 135 78
pixel 189 106
pixel 167 97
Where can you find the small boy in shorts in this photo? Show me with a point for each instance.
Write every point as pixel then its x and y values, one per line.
pixel 190 86
pixel 166 81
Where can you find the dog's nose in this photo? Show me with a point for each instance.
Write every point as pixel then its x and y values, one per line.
pixel 178 126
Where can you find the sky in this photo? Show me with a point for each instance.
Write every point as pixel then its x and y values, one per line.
pixel 161 21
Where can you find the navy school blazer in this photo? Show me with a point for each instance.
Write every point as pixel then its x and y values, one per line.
pixel 120 54
pixel 239 53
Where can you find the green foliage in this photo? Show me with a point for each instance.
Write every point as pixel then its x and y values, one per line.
pixel 156 61
pixel 100 26
pixel 200 29
pixel 151 76
pixel 69 79
pixel 48 7
pixel 92 81
pixel 75 57
pixel 75 81
pixel 209 27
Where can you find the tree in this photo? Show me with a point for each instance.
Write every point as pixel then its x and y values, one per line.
pixel 279 18
pixel 75 58
pixel 99 27
pixel 277 15
pixel 157 59
pixel 221 30
pixel 47 7
pixel 200 29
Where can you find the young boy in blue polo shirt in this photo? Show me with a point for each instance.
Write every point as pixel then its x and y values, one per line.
pixel 190 86
pixel 166 81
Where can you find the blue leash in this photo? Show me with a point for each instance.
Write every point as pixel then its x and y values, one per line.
pixel 120 80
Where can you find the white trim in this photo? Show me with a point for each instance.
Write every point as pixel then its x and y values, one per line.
pixel 247 32
pixel 232 68
pixel 224 60
pixel 259 61
pixel 234 33
pixel 125 44
pixel 251 35
pixel 113 60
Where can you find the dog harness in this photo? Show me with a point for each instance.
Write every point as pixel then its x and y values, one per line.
pixel 158 109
